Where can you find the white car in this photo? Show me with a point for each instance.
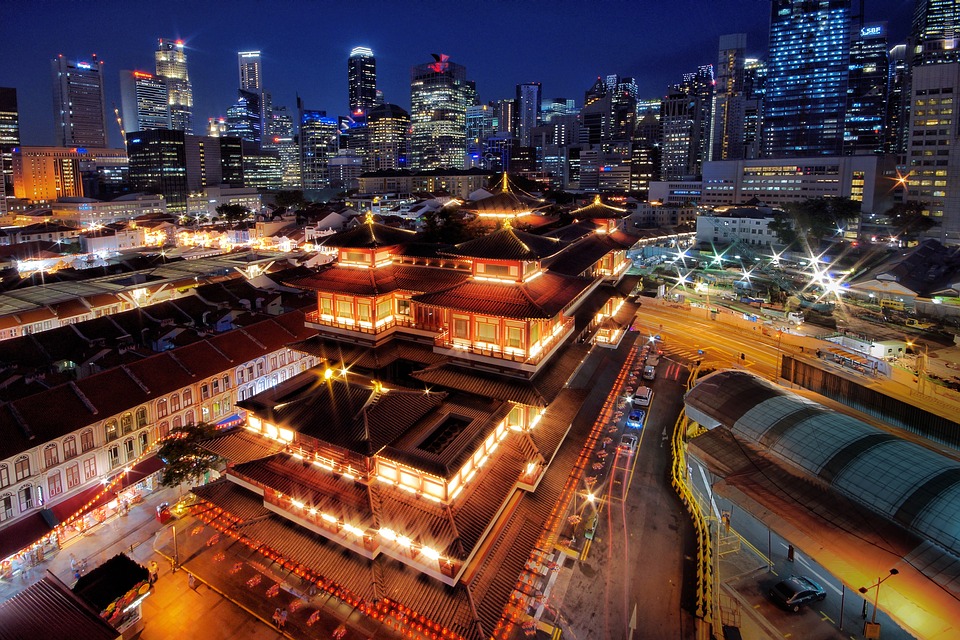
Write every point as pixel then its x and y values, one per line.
pixel 628 443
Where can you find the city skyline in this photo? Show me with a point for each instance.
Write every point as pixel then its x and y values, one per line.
pixel 565 62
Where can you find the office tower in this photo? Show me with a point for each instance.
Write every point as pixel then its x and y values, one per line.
pixel 318 143
pixel 389 131
pixel 596 92
pixel 481 124
pixel 261 166
pixel 171 61
pixel 685 125
pixel 175 164
pixel 145 101
pixel 527 111
pixel 44 174
pixel 623 108
pixel 244 118
pixel 216 127
pixel 866 111
pixel 280 138
pixel 935 33
pixel 504 116
pixel 898 101
pixel 250 71
pixel 933 154
pixel 78 104
pixel 438 100
pixel 9 138
pixel 362 79
pixel 734 112
pixel 806 89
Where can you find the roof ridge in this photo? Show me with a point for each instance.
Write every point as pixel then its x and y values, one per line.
pixel 133 377
pixel 83 398
pixel 21 421
pixel 181 364
pixel 255 341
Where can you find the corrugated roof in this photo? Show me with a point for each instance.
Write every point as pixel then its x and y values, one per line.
pixel 50 611
pixel 239 445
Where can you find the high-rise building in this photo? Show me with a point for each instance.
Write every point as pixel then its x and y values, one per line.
pixel 438 100
pixel 171 61
pixel 145 101
pixel 176 164
pixel 261 166
pixel 361 79
pixel 933 154
pixel 898 100
pixel 806 89
pixel 78 104
pixel 389 131
pixel 558 107
pixel 685 126
pixel 9 138
pixel 319 141
pixel 935 34
pixel 217 127
pixel 244 118
pixel 733 128
pixel 527 110
pixel 280 138
pixel 866 112
pixel 251 78
pixel 44 174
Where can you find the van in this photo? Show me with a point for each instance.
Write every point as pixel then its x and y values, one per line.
pixel 649 373
pixel 643 396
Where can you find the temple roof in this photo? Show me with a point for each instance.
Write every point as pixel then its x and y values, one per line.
pixel 507 203
pixel 598 209
pixel 370 282
pixel 369 235
pixel 364 357
pixel 507 244
pixel 541 297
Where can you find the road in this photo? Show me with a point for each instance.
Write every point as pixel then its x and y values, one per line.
pixel 639 566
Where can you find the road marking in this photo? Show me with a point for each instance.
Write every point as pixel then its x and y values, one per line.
pixel 716 511
pixel 826 618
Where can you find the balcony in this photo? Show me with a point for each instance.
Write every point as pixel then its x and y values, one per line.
pixel 366 331
pixel 488 353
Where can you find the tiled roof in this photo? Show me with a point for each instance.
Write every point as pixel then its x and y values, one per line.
pixel 239 502
pixel 598 209
pixel 577 258
pixel 370 235
pixel 541 297
pixel 507 244
pixel 538 392
pixel 370 282
pixel 239 445
pixel 50 611
pixel 505 202
pixel 575 231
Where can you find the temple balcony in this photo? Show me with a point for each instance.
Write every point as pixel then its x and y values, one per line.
pixel 526 361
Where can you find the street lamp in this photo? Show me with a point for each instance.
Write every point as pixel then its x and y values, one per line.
pixel 873 621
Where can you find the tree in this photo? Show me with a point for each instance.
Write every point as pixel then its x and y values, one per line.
pixel 186 460
pixel 233 212
pixel 907 219
pixel 290 199
pixel 810 221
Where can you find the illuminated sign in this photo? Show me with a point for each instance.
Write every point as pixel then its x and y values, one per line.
pixel 872 31
pixel 84 65
pixel 80 150
pixel 142 74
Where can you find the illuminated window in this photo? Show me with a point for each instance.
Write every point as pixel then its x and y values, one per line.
pixel 51 457
pixel 86 440
pixel 486 331
pixel 110 431
pixel 90 468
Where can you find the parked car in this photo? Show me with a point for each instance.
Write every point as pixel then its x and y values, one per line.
pixel 642 396
pixel 796 592
pixel 628 443
pixel 649 373
pixel 636 417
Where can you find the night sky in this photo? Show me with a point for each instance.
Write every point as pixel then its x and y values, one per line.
pixel 563 44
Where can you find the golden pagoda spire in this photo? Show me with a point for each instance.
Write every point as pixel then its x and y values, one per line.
pixel 506 222
pixel 596 199
pixel 368 219
pixel 505 186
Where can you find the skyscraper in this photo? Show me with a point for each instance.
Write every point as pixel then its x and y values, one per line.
pixel 78 104
pixel 806 90
pixel 935 34
pixel 171 63
pixel 362 79
pixel 389 131
pixel 685 126
pixel 527 110
pixel 318 143
pixel 438 101
pixel 145 101
pixel 898 100
pixel 733 108
pixel 244 118
pixel 251 78
pixel 9 138
pixel 866 112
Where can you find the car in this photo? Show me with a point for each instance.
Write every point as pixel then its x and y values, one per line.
pixel 649 373
pixel 628 443
pixel 636 417
pixel 642 396
pixel 796 592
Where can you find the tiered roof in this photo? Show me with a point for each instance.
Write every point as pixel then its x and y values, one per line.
pixel 369 235
pixel 598 209
pixel 387 279
pixel 507 244
pixel 507 203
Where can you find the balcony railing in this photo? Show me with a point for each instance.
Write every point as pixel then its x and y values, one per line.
pixel 511 354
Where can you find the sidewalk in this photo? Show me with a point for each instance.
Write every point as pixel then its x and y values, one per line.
pixel 117 535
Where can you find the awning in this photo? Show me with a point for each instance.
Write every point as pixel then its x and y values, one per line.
pixel 232 420
pixel 22 533
pixel 83 502
pixel 140 471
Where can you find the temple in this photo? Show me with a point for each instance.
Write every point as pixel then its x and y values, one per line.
pixel 415 467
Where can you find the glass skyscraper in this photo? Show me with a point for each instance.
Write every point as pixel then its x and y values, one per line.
pixel 935 36
pixel 319 141
pixel 806 89
pixel 78 103
pixel 865 129
pixel 145 101
pixel 438 113
pixel 171 63
pixel 362 79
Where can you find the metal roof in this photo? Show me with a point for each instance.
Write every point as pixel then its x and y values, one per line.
pixel 909 484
